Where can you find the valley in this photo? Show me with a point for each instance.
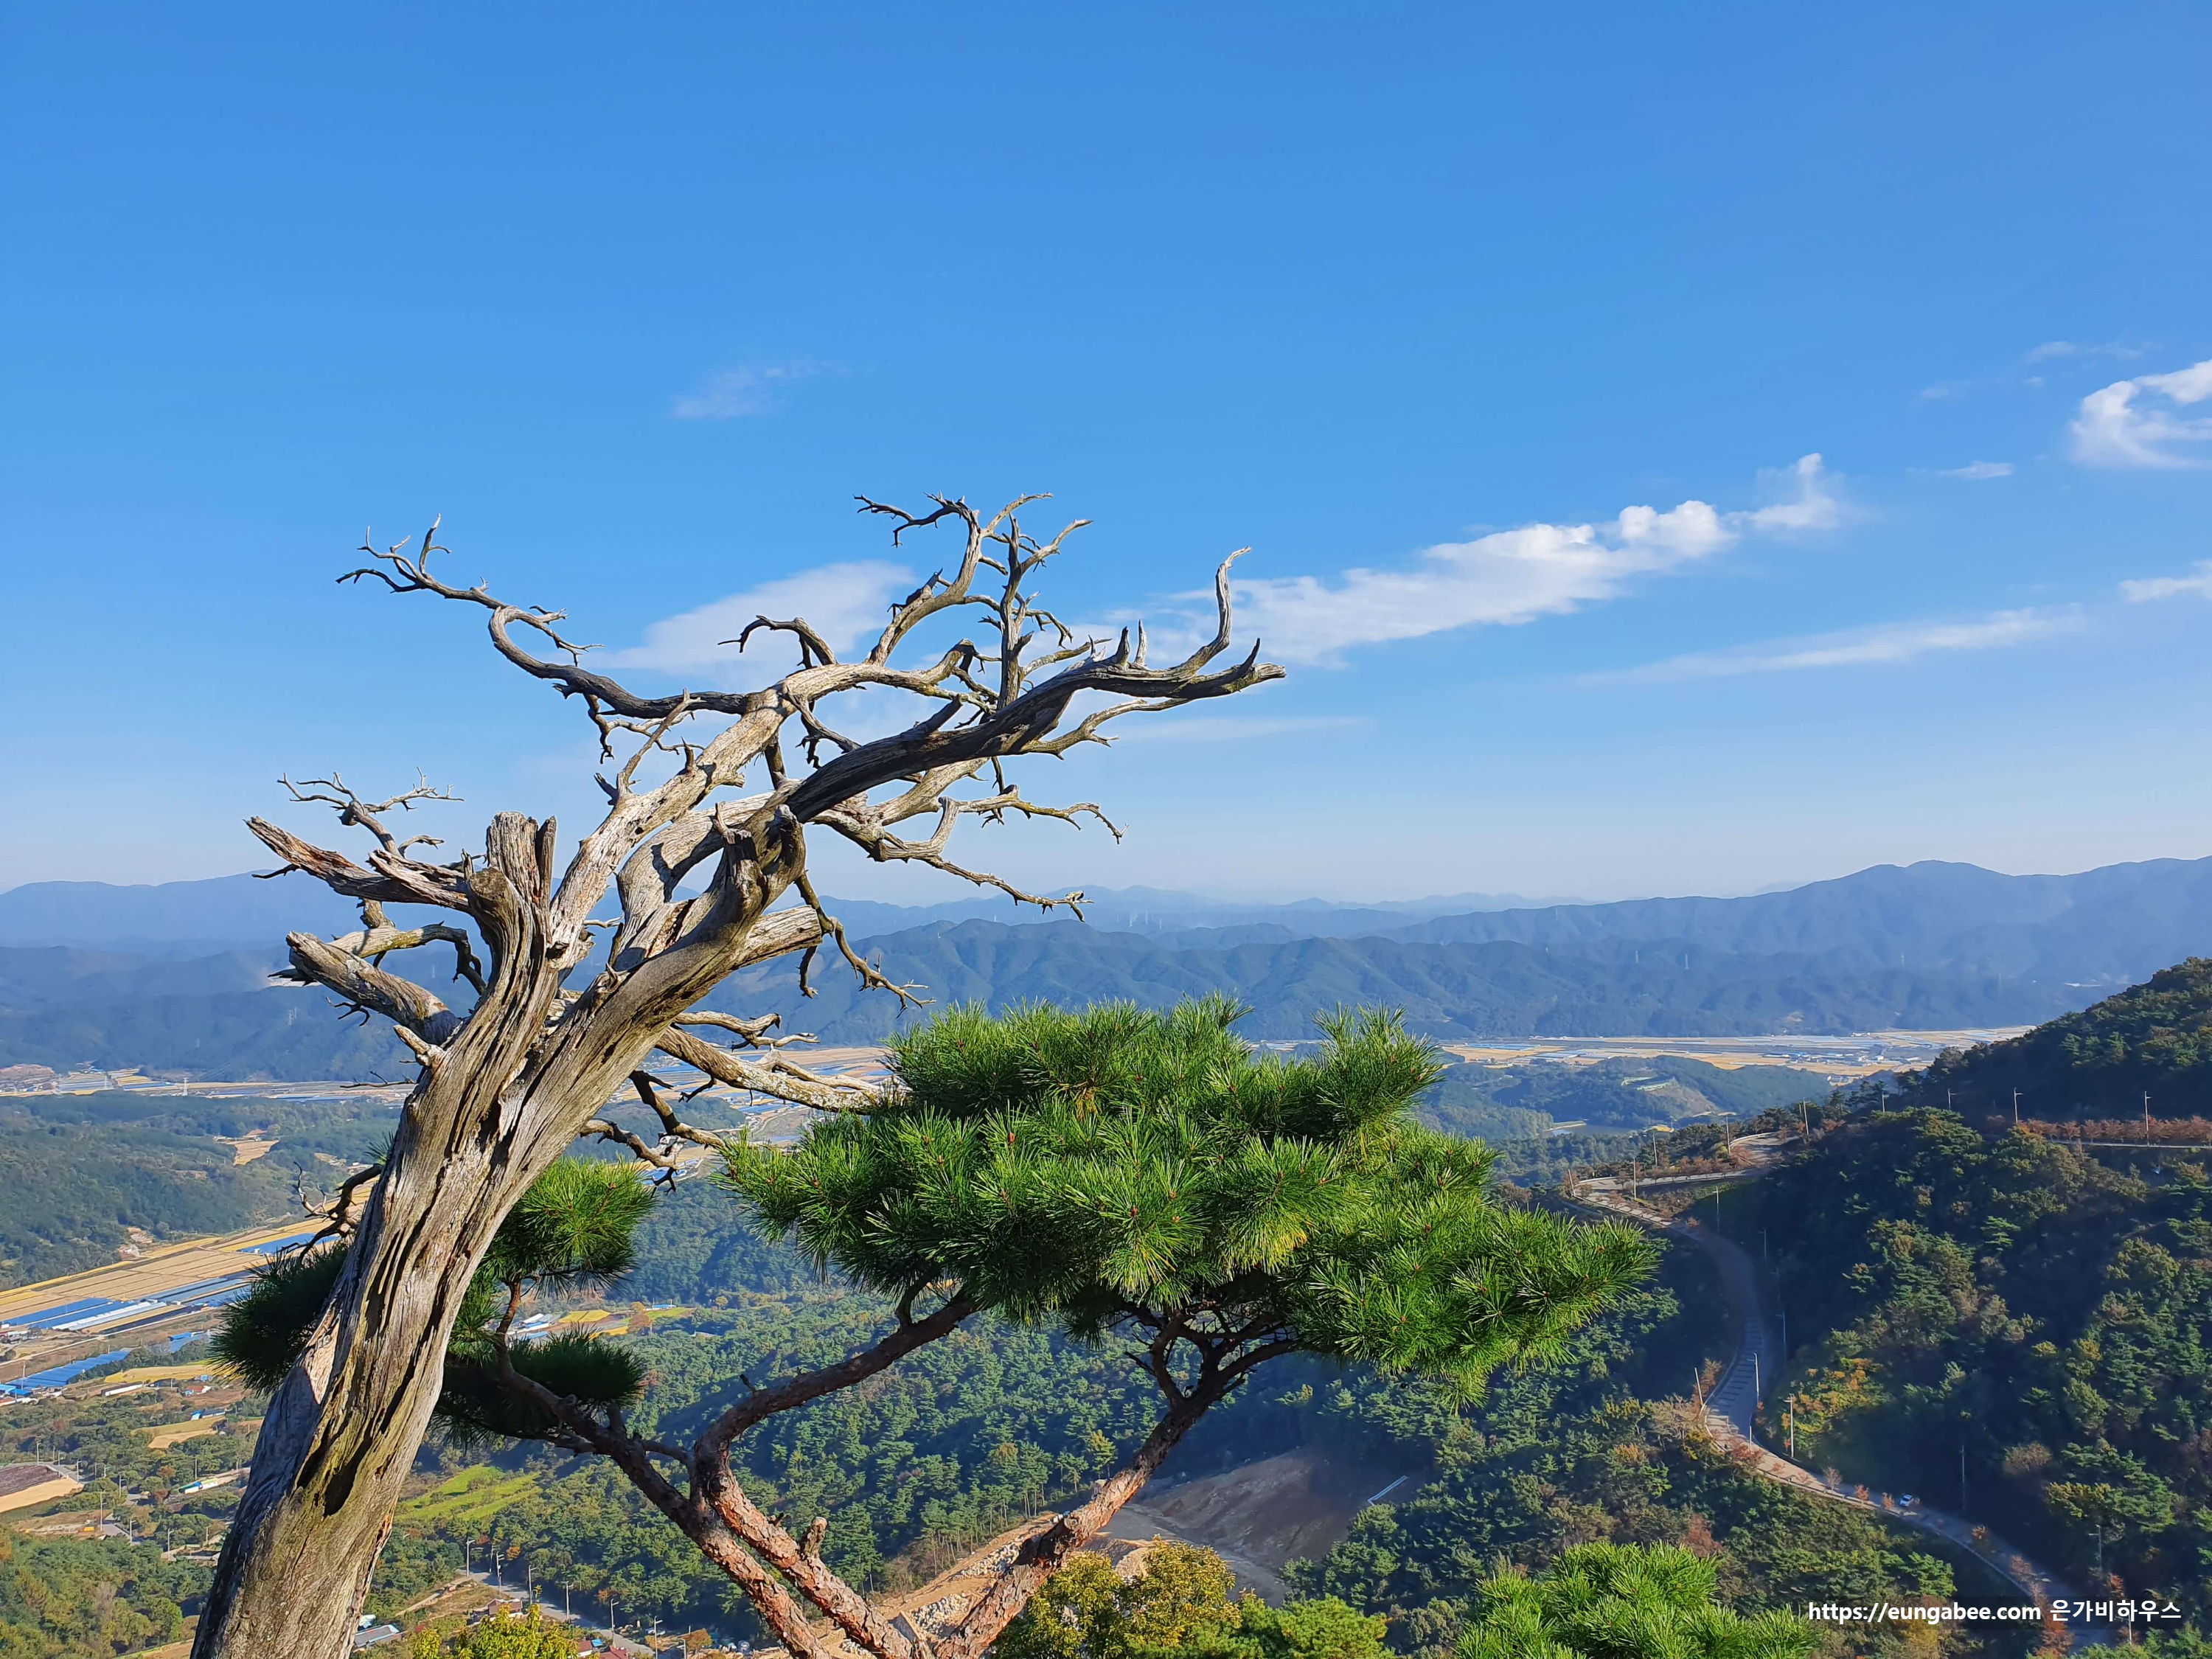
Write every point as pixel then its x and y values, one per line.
pixel 1336 1481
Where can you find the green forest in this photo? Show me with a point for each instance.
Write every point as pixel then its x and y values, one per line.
pixel 1950 1288
pixel 2005 1300
pixel 1603 1447
pixel 2154 1039
pixel 80 1171
pixel 965 1436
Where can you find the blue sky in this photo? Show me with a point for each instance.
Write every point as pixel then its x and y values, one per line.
pixel 1506 340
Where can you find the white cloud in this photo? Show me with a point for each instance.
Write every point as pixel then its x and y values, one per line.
pixel 1888 642
pixel 1511 576
pixel 1976 470
pixel 749 390
pixel 2168 588
pixel 844 603
pixel 1941 391
pixel 2133 423
pixel 1812 503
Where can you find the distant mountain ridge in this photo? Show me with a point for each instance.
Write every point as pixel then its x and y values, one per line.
pixel 1494 989
pixel 1928 946
pixel 2111 925
pixel 172 918
pixel 1498 989
pixel 227 912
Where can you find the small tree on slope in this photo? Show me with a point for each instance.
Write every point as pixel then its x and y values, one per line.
pixel 723 784
pixel 1126 1175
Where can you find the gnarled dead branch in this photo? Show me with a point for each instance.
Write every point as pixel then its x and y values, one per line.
pixel 703 789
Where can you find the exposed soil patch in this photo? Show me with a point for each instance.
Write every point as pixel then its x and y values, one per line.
pixel 1263 1516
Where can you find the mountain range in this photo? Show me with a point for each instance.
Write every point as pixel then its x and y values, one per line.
pixel 172 976
pixel 192 918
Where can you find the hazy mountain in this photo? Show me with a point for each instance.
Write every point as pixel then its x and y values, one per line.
pixel 1499 988
pixel 57 976
pixel 1931 947
pixel 192 918
pixel 174 917
pixel 2107 926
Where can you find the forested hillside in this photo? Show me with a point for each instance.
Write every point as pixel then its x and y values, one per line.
pixel 962 1436
pixel 1519 1103
pixel 957 1439
pixel 81 1171
pixel 2004 1297
pixel 2154 1039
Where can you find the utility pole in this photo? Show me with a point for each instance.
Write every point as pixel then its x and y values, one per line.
pixel 1789 1417
pixel 2016 1108
pixel 2146 1118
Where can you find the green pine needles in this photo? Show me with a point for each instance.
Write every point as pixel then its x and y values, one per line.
pixel 572 1226
pixel 1621 1602
pixel 1126 1168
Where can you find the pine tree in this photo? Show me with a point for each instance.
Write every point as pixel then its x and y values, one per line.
pixel 1122 1175
pixel 1622 1601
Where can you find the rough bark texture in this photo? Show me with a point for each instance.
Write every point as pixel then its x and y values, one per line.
pixel 507 1084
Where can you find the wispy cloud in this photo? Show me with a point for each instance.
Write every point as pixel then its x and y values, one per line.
pixel 844 604
pixel 1886 643
pixel 2050 349
pixel 2133 423
pixel 1976 470
pixel 1808 499
pixel 2198 586
pixel 1941 391
pixel 1514 576
pixel 739 391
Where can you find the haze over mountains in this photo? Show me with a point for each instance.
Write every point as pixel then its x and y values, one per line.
pixel 171 976
pixel 184 918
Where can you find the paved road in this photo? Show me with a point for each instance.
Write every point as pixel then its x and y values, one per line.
pixel 1733 1402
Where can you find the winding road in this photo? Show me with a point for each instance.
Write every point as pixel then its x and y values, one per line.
pixel 1732 1405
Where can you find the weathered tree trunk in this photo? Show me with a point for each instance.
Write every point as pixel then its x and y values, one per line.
pixel 491 1114
pixel 1048 1549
